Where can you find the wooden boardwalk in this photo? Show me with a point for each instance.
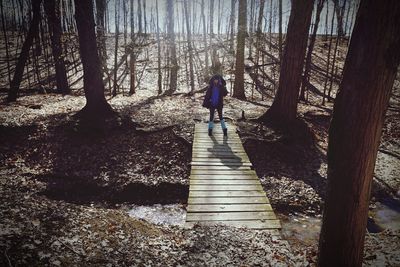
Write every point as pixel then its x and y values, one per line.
pixel 223 187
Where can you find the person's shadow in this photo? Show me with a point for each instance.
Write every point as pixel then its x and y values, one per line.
pixel 225 154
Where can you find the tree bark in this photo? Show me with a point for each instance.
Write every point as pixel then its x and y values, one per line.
pixel 115 84
pixel 24 54
pixel 238 88
pixel 96 105
pixel 203 18
pixel 172 48
pixel 232 23
pixel 260 17
pixel 189 40
pixel 280 32
pixel 100 30
pixel 211 18
pixel 52 9
pixel 132 56
pixel 140 30
pixel 355 130
pixel 284 106
pixel 307 68
pixel 159 80
pixel 340 9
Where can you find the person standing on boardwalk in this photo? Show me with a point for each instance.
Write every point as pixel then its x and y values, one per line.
pixel 214 100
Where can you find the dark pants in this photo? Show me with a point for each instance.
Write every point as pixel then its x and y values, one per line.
pixel 212 111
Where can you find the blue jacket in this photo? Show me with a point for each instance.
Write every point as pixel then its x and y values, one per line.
pixel 223 92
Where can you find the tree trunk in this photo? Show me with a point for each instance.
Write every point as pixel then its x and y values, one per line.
pixel 203 18
pixel 284 106
pixel 339 16
pixel 159 80
pixel 238 88
pixel 144 16
pixel 232 23
pixel 96 105
pixel 23 56
pixel 280 32
pixel 172 47
pixel 115 84
pixel 132 56
pixel 306 76
pixel 211 18
pixel 140 30
pixel 52 9
pixel 260 17
pixel 355 131
pixel 329 57
pixel 100 30
pixel 189 40
pixel 3 23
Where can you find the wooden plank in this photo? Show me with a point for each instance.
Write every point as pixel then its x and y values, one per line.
pixel 222 177
pixel 226 193
pixel 227 159
pixel 228 207
pixel 220 168
pixel 228 200
pixel 228 163
pixel 219 155
pixel 225 182
pixel 230 216
pixel 197 187
pixel 222 172
pixel 253 224
pixel 220 158
pixel 219 148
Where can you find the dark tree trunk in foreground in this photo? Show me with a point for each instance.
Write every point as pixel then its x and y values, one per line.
pixel 172 48
pixel 238 88
pixel 307 68
pixel 96 105
pixel 284 106
pixel 52 9
pixel 23 56
pixel 355 130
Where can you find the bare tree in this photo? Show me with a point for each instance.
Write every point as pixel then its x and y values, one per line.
pixel 203 18
pixel 159 80
pixel 238 88
pixel 96 107
pixel 260 17
pixel 354 135
pixel 284 106
pixel 132 55
pixel 189 40
pixel 307 68
pixel 172 48
pixel 24 54
pixel 52 9
pixel 232 23
pixel 117 12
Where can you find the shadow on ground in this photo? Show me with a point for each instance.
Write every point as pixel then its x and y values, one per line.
pixel 84 191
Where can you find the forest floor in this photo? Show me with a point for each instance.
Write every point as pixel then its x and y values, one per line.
pixel 117 197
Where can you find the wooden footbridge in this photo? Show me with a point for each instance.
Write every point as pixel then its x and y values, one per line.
pixel 223 186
